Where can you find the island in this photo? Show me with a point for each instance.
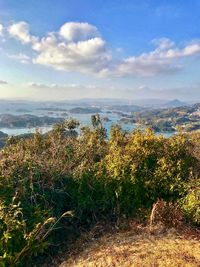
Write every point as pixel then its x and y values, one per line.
pixel 88 110
pixel 185 118
pixel 26 121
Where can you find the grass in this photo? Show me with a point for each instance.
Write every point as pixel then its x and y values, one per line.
pixel 126 249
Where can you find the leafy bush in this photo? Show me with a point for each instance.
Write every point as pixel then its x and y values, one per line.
pixel 191 205
pixel 45 176
pixel 151 166
pixel 15 240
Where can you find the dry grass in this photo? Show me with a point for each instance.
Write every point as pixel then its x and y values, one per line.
pixel 139 250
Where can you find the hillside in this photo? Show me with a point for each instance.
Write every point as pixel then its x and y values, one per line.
pixel 186 118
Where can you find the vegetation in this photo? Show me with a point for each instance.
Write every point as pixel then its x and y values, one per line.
pixel 185 118
pixel 56 184
pixel 26 120
pixel 3 138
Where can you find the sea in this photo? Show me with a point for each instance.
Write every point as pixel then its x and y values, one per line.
pixel 38 109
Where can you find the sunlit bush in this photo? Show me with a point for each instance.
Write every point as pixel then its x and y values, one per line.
pixel 45 176
pixel 191 205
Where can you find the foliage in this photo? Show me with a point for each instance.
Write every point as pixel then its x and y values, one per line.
pixel 16 242
pixel 45 176
pixel 191 204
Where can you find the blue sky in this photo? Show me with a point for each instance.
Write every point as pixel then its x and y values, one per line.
pixel 66 49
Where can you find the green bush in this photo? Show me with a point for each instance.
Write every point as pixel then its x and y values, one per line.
pixel 191 205
pixel 15 240
pixel 46 176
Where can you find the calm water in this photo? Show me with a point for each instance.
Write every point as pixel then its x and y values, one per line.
pixel 84 119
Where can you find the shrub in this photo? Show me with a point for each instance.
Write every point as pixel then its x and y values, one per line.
pixel 16 242
pixel 191 205
pixel 167 214
pixel 95 177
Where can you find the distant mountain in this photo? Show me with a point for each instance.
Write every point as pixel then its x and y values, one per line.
pixel 159 103
pixel 175 103
pixel 25 105
pixel 150 103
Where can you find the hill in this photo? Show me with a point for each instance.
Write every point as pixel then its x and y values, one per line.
pixel 174 103
pixel 186 118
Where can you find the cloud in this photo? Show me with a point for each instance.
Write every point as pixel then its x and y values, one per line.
pixel 22 58
pixel 84 56
pixel 20 31
pixel 76 31
pixel 64 91
pixel 145 66
pixel 39 85
pixel 56 92
pixel 3 82
pixel 162 60
pixel 75 47
pixel 1 30
pixel 57 86
pixel 78 47
pixel 163 43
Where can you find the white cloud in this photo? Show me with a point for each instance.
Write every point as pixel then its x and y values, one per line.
pixel 163 43
pixel 1 30
pixel 76 31
pixel 145 65
pixel 2 82
pixel 20 31
pixel 191 49
pixel 22 58
pixel 39 85
pixel 64 91
pixel 58 86
pixel 78 47
pixel 89 55
pixel 55 92
pixel 75 47
pixel 162 60
pixel 92 56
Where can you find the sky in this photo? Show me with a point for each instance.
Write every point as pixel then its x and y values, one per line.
pixel 125 49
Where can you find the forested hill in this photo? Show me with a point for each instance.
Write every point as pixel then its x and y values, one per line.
pixel 186 118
